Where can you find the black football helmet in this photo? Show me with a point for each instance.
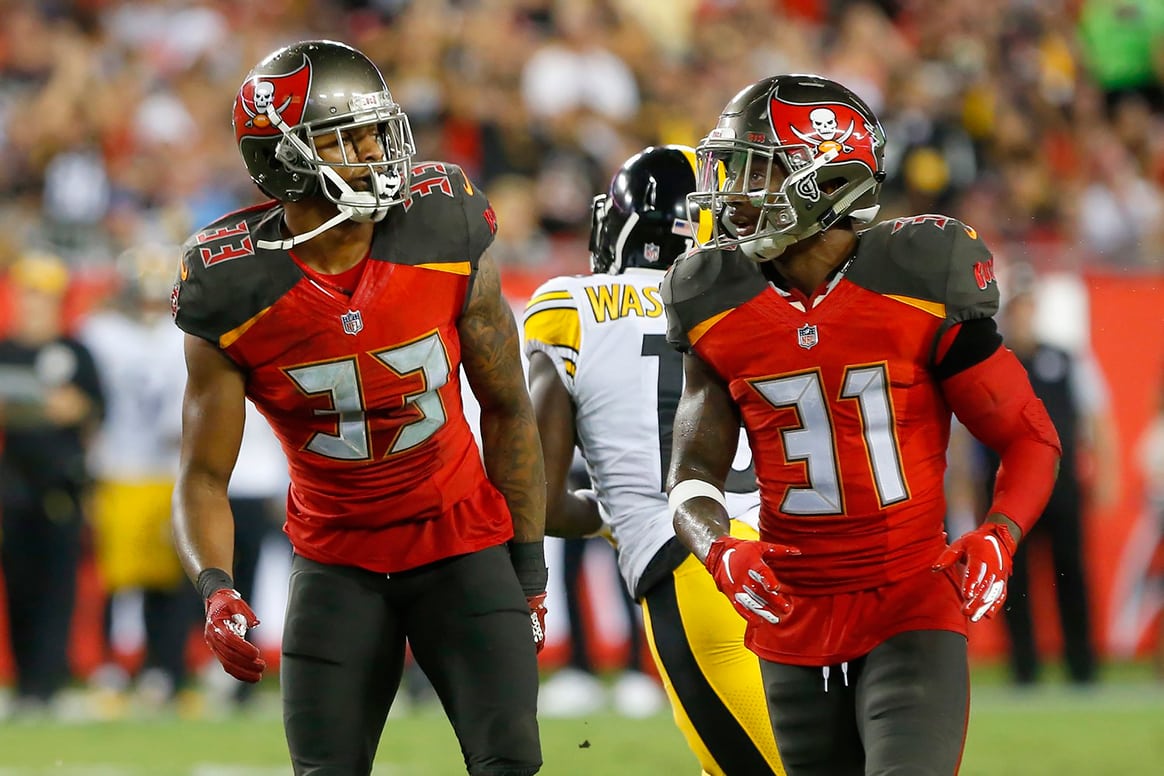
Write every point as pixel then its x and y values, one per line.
pixel 802 150
pixel 305 90
pixel 644 219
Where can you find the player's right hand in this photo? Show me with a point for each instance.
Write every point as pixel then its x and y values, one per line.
pixel 537 619
pixel 743 570
pixel 227 619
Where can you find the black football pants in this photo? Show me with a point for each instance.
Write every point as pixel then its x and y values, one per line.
pixel 1062 526
pixel 40 554
pixel 467 622
pixel 900 711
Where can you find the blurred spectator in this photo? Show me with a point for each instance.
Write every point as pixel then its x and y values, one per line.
pixel 1123 47
pixel 138 352
pixel 1119 212
pixel 50 401
pixel 574 74
pixel 1074 392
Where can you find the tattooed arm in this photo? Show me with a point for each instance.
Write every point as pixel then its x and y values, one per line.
pixel 491 355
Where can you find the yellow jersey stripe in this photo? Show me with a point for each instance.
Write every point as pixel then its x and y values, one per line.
pixel 701 328
pixel 231 337
pixel 556 326
pixel 547 297
pixel 454 267
pixel 936 309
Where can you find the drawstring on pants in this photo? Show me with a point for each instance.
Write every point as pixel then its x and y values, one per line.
pixel 825 670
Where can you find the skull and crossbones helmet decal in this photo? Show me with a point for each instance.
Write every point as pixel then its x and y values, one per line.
pixel 802 149
pixel 313 88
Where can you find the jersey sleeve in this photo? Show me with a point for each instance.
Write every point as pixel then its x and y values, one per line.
pixel 552 325
pixel 225 280
pixel 480 220
pixel 195 307
pixel 702 287
pixel 934 260
pixel 971 289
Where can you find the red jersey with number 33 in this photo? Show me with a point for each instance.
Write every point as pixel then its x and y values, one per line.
pixel 363 391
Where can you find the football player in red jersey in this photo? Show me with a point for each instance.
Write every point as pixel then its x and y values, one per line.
pixel 344 309
pixel 844 352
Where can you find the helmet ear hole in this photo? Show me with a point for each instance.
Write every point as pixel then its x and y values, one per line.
pixel 286 153
pixel 831 185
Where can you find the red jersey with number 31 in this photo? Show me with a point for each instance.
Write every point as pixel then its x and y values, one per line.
pixel 847 423
pixel 363 391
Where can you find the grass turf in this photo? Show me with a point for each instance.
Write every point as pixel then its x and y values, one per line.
pixel 1115 728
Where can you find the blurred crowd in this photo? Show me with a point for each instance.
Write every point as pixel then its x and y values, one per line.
pixel 1040 123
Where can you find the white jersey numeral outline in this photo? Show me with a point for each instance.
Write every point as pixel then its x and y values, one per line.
pixel 813 440
pixel 340 380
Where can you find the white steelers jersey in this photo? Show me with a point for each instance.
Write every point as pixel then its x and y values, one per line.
pixel 606 334
pixel 143 371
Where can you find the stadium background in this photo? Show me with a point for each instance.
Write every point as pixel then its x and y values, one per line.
pixel 1038 123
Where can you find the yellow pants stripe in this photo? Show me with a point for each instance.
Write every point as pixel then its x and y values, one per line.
pixel 713 681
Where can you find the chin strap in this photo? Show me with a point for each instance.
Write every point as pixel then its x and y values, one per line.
pixel 285 245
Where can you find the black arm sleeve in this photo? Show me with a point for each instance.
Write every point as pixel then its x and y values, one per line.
pixel 974 342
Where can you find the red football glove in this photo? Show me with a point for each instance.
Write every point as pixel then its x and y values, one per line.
pixel 988 552
pixel 227 620
pixel 537 619
pixel 743 571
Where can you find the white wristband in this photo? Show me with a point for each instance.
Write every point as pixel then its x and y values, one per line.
pixel 689 489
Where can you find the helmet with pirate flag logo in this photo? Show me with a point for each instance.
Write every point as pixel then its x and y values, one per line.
pixel 310 89
pixel 643 219
pixel 799 153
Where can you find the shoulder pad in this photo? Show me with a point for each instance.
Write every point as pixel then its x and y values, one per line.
pixel 704 284
pixel 225 279
pixel 552 325
pixel 933 259
pixel 447 222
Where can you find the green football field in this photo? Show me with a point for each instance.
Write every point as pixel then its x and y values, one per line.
pixel 1116 729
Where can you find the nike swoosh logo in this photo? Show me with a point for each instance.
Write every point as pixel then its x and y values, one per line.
pixel 726 556
pixel 997 549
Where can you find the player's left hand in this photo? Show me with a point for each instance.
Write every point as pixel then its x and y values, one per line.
pixel 227 620
pixel 988 552
pixel 537 619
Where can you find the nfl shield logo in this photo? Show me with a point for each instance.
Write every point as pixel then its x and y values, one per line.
pixel 806 336
pixel 651 253
pixel 353 322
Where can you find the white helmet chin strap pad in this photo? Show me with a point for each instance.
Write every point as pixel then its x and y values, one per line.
pixel 362 206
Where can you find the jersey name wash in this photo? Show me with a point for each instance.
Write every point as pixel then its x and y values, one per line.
pixel 607 337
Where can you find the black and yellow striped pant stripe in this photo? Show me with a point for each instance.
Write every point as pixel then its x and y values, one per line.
pixel 713 680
